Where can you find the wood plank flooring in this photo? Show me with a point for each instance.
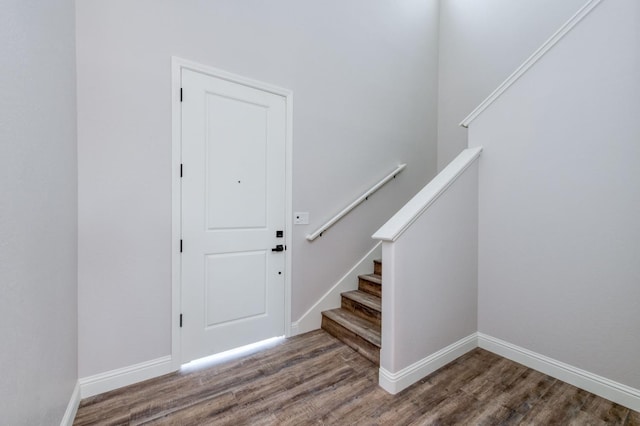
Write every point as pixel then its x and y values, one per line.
pixel 314 379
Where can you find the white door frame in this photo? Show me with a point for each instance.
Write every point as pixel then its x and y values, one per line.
pixel 177 65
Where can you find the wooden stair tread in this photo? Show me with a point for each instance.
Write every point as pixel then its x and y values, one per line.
pixel 363 328
pixel 370 283
pixel 358 322
pixel 366 299
pixel 374 278
pixel 377 266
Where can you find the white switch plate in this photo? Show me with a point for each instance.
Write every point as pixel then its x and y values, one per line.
pixel 301 218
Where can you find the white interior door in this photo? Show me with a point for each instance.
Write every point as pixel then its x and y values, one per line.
pixel 233 205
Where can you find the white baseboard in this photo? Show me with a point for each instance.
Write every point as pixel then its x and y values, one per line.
pixel 114 379
pixel 614 391
pixel 396 382
pixel 72 407
pixel 312 319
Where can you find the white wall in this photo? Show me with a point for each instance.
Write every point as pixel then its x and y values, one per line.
pixel 481 43
pixel 430 291
pixel 364 77
pixel 38 202
pixel 559 258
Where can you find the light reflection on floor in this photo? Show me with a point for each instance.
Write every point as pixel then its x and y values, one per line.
pixel 206 362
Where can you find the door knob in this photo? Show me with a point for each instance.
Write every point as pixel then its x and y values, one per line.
pixel 279 247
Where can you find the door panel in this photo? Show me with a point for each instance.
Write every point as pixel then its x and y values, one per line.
pixel 233 202
pixel 236 154
pixel 246 298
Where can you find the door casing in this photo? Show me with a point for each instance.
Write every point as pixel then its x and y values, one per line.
pixel 177 65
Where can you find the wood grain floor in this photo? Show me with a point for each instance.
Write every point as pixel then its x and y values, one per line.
pixel 314 379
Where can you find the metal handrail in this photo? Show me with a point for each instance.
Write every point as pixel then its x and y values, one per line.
pixel 353 205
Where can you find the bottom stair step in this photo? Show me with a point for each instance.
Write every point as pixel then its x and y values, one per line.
pixel 359 334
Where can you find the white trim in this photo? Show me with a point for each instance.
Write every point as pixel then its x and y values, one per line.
pixel 312 319
pixel 114 379
pixel 396 382
pixel 318 232
pixel 72 407
pixel 601 386
pixel 288 231
pixel 294 329
pixel 411 211
pixel 177 64
pixel 176 211
pixel 537 55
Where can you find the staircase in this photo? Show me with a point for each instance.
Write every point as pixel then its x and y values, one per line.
pixel 357 323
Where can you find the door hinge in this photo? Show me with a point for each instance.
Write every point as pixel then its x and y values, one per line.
pixel 180 246
pixel 180 170
pixel 181 94
pixel 180 320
